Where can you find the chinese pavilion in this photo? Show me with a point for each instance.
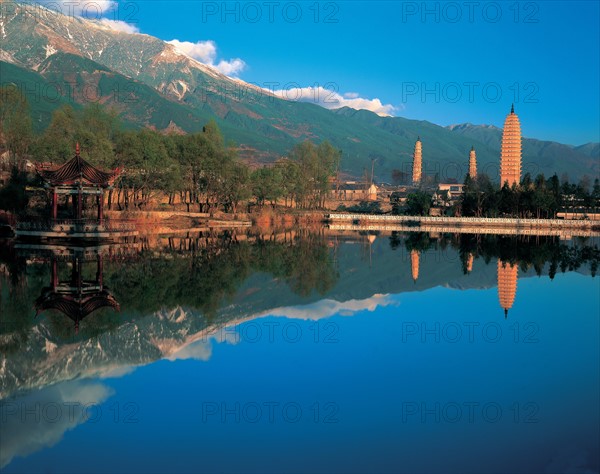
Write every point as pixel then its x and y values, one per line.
pixel 75 180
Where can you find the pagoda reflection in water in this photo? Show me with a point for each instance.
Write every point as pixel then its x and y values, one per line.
pixel 508 275
pixel 414 264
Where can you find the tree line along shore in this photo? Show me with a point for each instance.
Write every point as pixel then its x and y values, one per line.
pixel 201 173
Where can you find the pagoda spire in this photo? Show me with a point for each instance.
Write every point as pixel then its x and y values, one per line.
pixel 512 109
pixel 77 149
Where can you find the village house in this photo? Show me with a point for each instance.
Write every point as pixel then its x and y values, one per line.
pixel 354 191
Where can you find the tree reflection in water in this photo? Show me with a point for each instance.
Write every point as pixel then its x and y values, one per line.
pixel 526 251
pixel 201 272
pixel 205 271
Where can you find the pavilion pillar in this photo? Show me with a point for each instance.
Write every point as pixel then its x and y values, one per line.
pixel 79 276
pixel 54 274
pixel 79 203
pixel 100 200
pixel 99 270
pixel 54 203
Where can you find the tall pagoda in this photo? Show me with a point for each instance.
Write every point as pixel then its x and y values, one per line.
pixel 510 158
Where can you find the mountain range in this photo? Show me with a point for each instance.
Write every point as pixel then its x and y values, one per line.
pixel 57 59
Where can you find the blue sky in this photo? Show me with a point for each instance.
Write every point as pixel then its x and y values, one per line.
pixel 474 58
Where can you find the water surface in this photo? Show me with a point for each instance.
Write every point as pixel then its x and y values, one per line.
pixel 300 352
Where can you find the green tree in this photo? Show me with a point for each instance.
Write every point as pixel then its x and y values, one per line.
pixel 509 200
pixel 469 201
pixel 418 203
pixel 95 128
pixel 556 202
pixel 267 185
pixel 317 166
pixel 13 197
pixel 236 187
pixel 15 123
pixel 542 198
pixel 148 167
pixel 595 194
pixel 190 151
pixel 57 143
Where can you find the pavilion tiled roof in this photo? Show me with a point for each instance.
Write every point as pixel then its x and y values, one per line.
pixel 77 170
pixel 75 308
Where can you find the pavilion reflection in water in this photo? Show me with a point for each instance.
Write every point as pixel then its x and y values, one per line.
pixel 76 296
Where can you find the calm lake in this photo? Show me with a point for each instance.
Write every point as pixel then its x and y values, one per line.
pixel 301 352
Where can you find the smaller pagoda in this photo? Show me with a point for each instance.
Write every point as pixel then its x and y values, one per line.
pixel 417 162
pixel 472 163
pixel 75 180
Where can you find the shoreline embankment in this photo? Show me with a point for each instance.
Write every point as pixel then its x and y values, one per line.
pixel 469 225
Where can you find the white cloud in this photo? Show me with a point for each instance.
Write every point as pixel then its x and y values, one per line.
pixel 231 68
pixel 119 25
pixel 116 372
pixel 201 349
pixel 327 308
pixel 198 350
pixel 333 100
pixel 39 419
pixel 203 51
pixel 206 53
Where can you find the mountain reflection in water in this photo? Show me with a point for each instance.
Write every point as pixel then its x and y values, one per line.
pixel 71 314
